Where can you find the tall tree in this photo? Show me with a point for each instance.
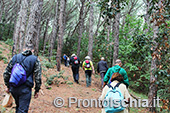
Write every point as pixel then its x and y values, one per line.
pixel 38 26
pixel 60 34
pixel 91 19
pixel 116 33
pixel 20 26
pixel 154 63
pixel 33 24
pixel 81 21
pixel 55 29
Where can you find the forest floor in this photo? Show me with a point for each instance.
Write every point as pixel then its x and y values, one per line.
pixel 44 103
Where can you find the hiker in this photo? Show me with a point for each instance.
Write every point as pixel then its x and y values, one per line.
pixel 65 59
pixel 75 62
pixel 107 93
pixel 27 66
pixel 89 68
pixel 102 68
pixel 114 69
pixel 68 61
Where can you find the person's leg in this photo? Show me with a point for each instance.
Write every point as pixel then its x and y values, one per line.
pixel 65 62
pixel 102 77
pixel 87 78
pixel 90 72
pixel 16 98
pixel 77 74
pixel 24 100
pixel 74 73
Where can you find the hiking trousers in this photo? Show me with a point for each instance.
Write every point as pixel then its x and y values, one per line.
pixel 22 97
pixel 75 70
pixel 88 77
pixel 102 74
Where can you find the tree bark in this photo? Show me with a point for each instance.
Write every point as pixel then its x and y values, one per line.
pixel 153 79
pixel 55 30
pixel 116 37
pixel 80 27
pixel 91 19
pixel 38 26
pixel 60 35
pixel 33 23
pixel 45 36
pixel 20 27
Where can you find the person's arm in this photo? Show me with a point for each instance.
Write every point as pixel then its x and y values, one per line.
pixel 92 67
pixel 7 74
pixel 98 67
pixel 83 65
pixel 37 74
pixel 106 66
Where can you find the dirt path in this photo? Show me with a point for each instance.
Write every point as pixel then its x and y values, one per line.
pixel 44 104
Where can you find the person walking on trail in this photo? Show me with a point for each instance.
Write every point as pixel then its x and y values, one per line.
pixel 115 69
pixel 116 81
pixel 75 62
pixel 102 68
pixel 18 77
pixel 65 59
pixel 68 61
pixel 89 68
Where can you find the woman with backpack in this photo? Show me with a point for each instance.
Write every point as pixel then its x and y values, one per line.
pixel 89 68
pixel 116 90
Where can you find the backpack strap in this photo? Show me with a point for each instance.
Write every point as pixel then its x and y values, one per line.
pixel 117 85
pixel 109 86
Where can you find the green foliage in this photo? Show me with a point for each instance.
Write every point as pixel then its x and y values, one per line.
pixel 9 42
pixel 50 80
pixel 48 64
pixel 5 60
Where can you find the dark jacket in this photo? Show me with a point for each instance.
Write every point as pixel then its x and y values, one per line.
pixel 102 66
pixel 31 65
pixel 72 62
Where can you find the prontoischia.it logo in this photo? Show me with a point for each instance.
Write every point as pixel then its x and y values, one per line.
pixel 98 103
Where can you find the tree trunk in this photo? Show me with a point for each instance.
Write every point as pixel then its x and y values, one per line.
pixel 55 29
pixel 23 19
pixel 153 79
pixel 108 30
pixel 33 23
pixel 116 37
pixel 80 27
pixel 20 27
pixel 91 19
pixel 38 26
pixel 60 34
pixel 45 36
pixel 147 16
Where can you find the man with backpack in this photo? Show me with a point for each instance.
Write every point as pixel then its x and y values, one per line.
pixel 75 62
pixel 114 69
pixel 102 68
pixel 89 68
pixel 117 93
pixel 18 78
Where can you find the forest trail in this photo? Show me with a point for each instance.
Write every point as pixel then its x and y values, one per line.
pixel 44 103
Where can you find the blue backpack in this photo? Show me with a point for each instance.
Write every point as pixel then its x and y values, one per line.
pixel 113 94
pixel 18 74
